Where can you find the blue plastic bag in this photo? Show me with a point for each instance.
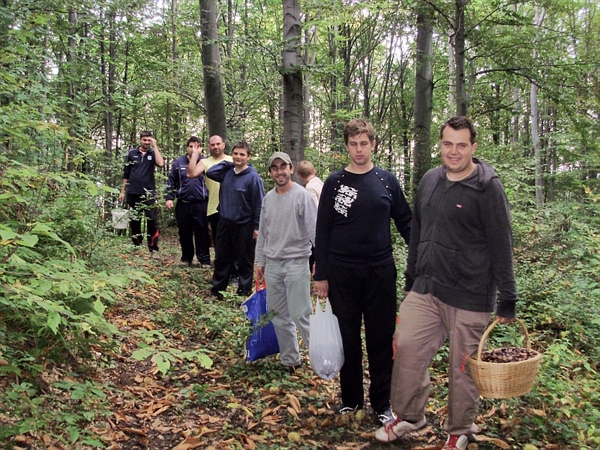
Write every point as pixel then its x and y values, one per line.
pixel 263 341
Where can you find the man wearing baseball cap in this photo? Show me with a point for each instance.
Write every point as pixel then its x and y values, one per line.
pixel 285 235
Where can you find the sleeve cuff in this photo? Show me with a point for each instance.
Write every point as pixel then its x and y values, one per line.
pixel 507 309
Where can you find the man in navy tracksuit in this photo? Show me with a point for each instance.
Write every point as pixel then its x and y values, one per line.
pixel 139 182
pixel 240 200
pixel 190 209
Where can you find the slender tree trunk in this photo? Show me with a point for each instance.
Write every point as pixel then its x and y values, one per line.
pixel 211 61
pixel 423 95
pixel 309 60
pixel 70 77
pixel 335 128
pixel 451 76
pixel 293 103
pixel 459 58
pixel 108 54
pixel 535 132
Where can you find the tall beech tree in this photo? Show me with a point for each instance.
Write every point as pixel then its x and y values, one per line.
pixel 423 94
pixel 293 104
pixel 211 61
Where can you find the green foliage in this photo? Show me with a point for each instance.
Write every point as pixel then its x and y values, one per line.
pixel 572 414
pixel 62 411
pixel 164 355
pixel 51 301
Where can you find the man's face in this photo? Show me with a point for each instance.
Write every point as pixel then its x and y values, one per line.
pixel 457 152
pixel 191 146
pixel 281 172
pixel 360 148
pixel 217 146
pixel 240 157
pixel 146 142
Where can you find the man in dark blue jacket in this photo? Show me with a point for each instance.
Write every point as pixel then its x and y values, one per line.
pixel 240 200
pixel 140 185
pixel 190 209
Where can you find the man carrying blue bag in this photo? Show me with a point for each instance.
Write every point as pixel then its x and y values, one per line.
pixel 285 234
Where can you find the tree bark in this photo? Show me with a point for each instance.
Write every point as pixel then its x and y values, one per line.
pixel 423 95
pixel 535 132
pixel 211 62
pixel 459 58
pixel 293 102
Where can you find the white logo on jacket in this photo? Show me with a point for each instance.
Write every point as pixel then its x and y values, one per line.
pixel 344 199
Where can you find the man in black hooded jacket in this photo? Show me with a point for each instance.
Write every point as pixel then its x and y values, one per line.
pixel 459 270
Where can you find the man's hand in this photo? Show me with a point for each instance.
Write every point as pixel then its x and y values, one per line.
pixel 260 273
pixel 121 197
pixel 169 204
pixel 321 288
pixel 504 319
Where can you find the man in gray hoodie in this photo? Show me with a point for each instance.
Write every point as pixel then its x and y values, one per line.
pixel 286 232
pixel 459 270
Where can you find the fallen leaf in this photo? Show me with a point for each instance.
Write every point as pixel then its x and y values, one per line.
pixel 497 442
pixel 294 402
pixel 190 442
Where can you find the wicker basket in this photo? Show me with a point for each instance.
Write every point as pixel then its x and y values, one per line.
pixel 504 380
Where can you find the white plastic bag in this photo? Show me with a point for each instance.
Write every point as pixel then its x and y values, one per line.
pixel 325 349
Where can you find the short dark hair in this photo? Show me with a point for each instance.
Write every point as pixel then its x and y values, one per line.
pixel 244 145
pixel 145 133
pixel 193 139
pixel 356 127
pixel 460 123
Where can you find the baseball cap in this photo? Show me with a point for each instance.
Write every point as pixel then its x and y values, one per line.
pixel 281 155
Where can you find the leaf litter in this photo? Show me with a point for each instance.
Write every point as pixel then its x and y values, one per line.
pixel 230 405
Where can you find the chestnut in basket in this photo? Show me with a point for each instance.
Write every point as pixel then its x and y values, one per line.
pixel 507 355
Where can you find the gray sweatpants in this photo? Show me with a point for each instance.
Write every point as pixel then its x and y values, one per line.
pixel 288 294
pixel 424 324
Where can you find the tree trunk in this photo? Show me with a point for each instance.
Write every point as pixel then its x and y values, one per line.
pixel 211 62
pixel 70 76
pixel 108 56
pixel 310 56
pixel 423 95
pixel 459 58
pixel 535 132
pixel 293 104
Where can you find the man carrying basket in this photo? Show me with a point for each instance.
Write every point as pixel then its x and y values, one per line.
pixel 459 270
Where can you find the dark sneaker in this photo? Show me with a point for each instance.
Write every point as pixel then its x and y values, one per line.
pixel 348 409
pixel 292 369
pixel 456 442
pixel 386 417
pixel 218 295
pixel 398 428
pixel 244 293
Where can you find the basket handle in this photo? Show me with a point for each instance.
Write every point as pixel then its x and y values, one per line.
pixel 489 330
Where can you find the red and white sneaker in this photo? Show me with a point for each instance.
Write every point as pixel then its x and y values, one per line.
pixel 456 442
pixel 398 428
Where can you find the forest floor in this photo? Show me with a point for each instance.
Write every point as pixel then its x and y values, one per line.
pixel 230 405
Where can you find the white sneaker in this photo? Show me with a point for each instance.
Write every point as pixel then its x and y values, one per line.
pixel 456 442
pixel 398 428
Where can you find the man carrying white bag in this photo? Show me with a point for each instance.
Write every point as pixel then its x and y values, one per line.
pixel 325 350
